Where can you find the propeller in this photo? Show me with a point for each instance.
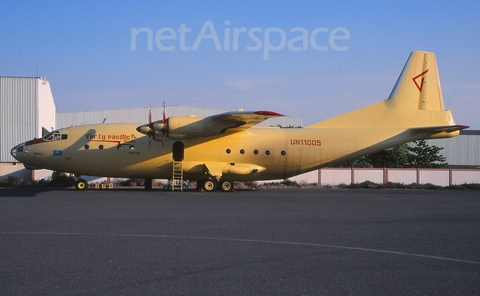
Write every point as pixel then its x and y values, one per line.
pixel 153 127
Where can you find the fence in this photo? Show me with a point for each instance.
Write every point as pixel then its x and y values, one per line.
pixel 440 177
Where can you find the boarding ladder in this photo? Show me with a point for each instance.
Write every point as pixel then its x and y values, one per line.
pixel 177 178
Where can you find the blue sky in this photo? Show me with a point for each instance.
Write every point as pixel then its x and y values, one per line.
pixel 84 48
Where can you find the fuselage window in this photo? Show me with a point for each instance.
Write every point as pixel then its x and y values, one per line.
pixel 131 147
pixel 255 152
pixel 119 147
pixel 228 151
pixel 86 146
pixel 242 151
pixel 100 147
pixel 267 152
pixel 64 136
pixel 283 152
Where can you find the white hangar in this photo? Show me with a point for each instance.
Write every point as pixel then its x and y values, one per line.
pixel 26 109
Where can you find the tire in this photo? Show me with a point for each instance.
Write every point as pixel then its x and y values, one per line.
pixel 226 185
pixel 209 185
pixel 81 184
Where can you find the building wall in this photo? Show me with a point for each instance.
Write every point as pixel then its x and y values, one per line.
pixel 46 111
pixel 17 170
pixel 26 106
pixel 18 113
pixel 462 150
pixel 14 169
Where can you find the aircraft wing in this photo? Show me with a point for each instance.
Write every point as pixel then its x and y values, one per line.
pixel 241 120
pixel 178 127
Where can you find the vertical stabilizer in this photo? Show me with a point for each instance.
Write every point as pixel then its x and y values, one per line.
pixel 418 87
pixel 415 101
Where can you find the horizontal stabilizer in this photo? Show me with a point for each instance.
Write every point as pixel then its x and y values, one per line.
pixel 437 132
pixel 441 129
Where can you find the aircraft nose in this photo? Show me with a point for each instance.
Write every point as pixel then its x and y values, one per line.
pixel 17 149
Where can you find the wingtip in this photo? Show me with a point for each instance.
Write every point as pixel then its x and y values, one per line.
pixel 462 126
pixel 268 113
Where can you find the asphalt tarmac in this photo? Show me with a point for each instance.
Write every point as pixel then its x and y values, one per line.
pixel 265 242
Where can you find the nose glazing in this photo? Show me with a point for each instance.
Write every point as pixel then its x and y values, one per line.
pixel 17 149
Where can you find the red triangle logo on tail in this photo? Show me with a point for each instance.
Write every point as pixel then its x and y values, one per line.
pixel 415 80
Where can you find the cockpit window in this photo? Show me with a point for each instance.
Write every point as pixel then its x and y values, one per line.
pixel 55 136
pixel 49 136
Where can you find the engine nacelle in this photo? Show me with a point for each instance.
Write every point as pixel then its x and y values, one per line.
pixel 185 127
pixel 181 127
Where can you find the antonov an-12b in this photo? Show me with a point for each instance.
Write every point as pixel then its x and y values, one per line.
pixel 227 147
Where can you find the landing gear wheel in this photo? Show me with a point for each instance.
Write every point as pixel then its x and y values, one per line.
pixel 81 184
pixel 209 185
pixel 226 185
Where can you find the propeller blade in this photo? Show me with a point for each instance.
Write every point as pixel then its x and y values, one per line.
pixel 164 114
pixel 149 143
pixel 164 121
pixel 150 125
pixel 150 115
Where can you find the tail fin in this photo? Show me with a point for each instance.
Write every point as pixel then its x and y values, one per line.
pixel 415 102
pixel 418 86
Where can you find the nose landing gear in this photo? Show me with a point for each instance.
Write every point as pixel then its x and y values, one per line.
pixel 81 184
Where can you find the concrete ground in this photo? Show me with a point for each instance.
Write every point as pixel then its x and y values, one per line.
pixel 264 242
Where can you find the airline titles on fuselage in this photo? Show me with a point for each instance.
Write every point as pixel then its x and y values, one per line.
pixel 111 137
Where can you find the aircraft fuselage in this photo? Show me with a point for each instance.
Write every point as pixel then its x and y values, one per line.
pixel 230 146
pixel 117 150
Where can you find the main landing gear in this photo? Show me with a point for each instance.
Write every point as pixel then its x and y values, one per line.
pixel 211 184
pixel 226 185
pixel 148 184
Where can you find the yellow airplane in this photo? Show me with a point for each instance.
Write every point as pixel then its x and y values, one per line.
pixel 227 147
